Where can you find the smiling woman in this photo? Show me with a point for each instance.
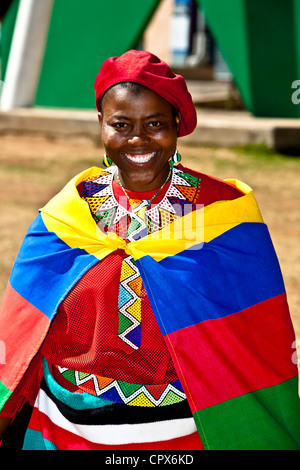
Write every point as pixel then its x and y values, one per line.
pixel 136 313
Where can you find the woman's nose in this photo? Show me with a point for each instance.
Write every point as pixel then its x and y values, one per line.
pixel 138 136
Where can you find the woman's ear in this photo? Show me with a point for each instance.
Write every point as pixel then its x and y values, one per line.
pixel 100 118
pixel 178 121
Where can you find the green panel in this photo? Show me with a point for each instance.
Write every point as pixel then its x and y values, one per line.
pixel 297 43
pixel 258 40
pixel 7 29
pixel 272 56
pixel 268 419
pixel 227 24
pixel 80 39
pixel 5 393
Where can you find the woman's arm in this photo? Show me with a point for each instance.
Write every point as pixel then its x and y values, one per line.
pixel 4 422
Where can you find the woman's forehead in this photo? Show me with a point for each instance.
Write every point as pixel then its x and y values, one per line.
pixel 122 98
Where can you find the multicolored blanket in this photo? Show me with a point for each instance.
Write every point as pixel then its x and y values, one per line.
pixel 216 289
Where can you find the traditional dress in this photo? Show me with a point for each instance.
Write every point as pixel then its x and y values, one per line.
pixel 131 326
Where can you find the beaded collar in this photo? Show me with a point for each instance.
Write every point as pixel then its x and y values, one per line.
pixel 142 219
pixel 155 194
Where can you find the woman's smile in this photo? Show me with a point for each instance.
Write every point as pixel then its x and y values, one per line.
pixel 140 158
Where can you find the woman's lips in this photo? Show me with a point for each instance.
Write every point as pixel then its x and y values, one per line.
pixel 142 158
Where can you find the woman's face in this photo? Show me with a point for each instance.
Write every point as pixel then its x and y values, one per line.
pixel 139 133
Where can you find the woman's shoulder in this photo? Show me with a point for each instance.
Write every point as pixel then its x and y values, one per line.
pixel 212 188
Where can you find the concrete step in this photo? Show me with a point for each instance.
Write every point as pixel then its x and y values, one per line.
pixel 215 127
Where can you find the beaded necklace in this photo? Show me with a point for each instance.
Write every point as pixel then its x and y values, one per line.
pixel 148 200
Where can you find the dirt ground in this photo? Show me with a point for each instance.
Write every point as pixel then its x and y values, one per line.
pixel 33 169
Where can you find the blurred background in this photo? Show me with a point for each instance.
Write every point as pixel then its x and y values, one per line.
pixel 241 61
pixel 61 45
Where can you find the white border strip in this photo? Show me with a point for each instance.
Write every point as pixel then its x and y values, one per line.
pixel 119 434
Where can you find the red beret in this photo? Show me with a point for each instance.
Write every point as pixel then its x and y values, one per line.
pixel 148 70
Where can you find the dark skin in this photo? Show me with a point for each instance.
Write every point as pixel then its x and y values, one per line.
pixel 4 423
pixel 139 133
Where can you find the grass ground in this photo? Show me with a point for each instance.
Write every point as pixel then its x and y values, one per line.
pixel 33 169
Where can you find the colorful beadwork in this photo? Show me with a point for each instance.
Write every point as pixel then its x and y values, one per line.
pixel 129 304
pixel 142 219
pixel 154 196
pixel 130 394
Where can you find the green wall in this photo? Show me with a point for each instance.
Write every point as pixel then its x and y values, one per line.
pixel 259 39
pixel 7 29
pixel 260 42
pixel 81 36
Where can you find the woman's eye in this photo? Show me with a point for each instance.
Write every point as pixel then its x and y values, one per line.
pixel 155 124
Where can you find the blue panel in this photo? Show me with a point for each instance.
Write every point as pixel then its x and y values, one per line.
pixel 34 440
pixel 46 268
pixel 231 273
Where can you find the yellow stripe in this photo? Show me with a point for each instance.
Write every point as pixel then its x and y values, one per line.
pixel 202 225
pixel 69 217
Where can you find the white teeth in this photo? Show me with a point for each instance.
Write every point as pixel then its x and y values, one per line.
pixel 140 158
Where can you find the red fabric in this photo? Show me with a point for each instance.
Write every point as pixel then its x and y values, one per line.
pixel 76 331
pixel 263 368
pixel 212 189
pixel 122 199
pixel 84 335
pixel 146 69
pixel 27 389
pixel 14 333
pixel 69 441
